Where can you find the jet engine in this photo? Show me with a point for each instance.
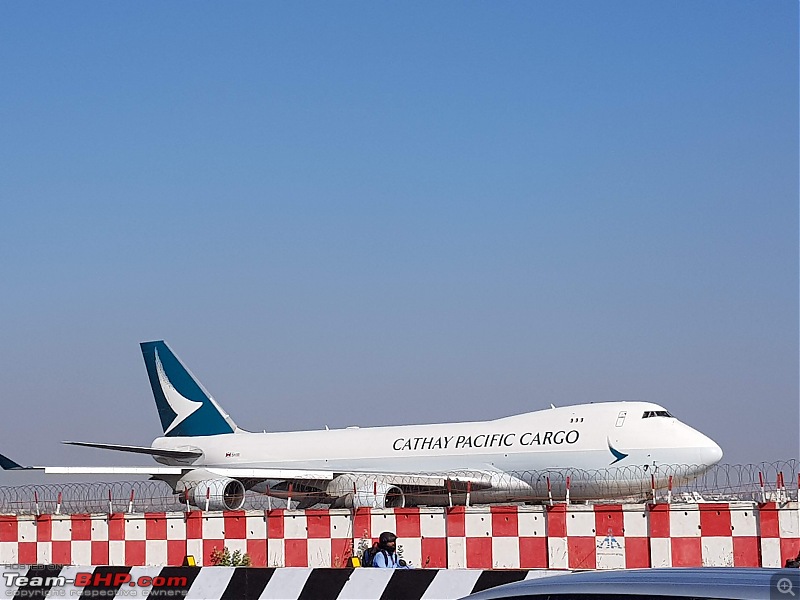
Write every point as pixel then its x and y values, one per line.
pixel 356 492
pixel 215 494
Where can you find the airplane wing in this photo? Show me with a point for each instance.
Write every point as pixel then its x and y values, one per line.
pixel 478 479
pixel 317 484
pixel 112 470
pixel 10 465
pixel 278 474
pixel 311 477
pixel 310 490
pixel 312 481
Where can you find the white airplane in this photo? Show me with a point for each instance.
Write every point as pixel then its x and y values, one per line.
pixel 611 449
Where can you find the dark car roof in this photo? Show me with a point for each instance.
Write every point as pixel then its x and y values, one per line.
pixel 707 582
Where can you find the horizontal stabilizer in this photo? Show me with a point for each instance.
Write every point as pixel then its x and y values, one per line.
pixel 9 465
pixel 179 454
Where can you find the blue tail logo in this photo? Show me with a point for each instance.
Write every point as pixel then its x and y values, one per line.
pixel 617 454
pixel 184 407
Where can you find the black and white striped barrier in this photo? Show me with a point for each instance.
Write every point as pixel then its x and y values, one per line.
pixel 242 583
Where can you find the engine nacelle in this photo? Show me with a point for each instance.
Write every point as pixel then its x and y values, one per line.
pixel 216 494
pixel 357 492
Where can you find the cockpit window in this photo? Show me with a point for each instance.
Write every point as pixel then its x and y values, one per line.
pixel 655 413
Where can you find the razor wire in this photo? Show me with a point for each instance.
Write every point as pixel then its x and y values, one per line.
pixel 759 482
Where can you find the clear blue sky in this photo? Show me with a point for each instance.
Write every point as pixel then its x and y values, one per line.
pixel 381 213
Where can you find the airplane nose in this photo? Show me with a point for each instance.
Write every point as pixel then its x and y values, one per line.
pixel 711 453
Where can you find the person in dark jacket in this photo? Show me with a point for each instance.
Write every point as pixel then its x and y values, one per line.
pixel 387 558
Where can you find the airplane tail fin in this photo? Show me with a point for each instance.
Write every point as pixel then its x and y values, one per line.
pixel 184 406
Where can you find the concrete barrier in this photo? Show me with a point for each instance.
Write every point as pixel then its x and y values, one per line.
pixel 600 536
pixel 195 583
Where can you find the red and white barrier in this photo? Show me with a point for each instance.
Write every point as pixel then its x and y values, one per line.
pixel 602 536
pixel 706 534
pixel 496 537
pixel 780 533
pixel 309 538
pixel 422 532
